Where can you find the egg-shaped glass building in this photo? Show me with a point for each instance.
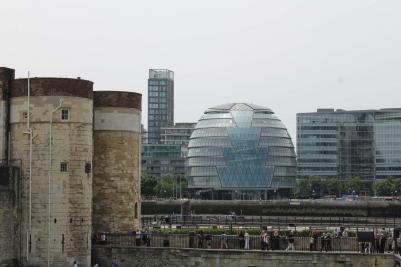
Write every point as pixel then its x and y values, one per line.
pixel 240 151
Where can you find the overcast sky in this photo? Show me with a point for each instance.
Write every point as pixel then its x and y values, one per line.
pixel 291 56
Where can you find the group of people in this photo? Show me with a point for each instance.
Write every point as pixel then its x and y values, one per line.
pixel 382 242
pixel 142 238
pixel 274 241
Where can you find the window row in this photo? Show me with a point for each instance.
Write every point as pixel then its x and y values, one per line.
pixel 157 105
pixel 208 132
pixel 215 123
pixel 267 123
pixel 64 167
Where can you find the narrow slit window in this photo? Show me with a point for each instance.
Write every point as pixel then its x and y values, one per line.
pixel 65 114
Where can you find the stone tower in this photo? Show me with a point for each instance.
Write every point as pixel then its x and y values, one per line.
pixel 116 163
pixel 6 77
pixel 57 203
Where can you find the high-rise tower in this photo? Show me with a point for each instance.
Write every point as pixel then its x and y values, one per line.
pixel 160 102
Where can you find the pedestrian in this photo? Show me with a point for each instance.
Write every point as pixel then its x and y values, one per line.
pixel 291 241
pixel 208 239
pixel 328 242
pixel 382 243
pixel 241 239
pixel 275 241
pixel 201 237
pixel 398 244
pixel 96 264
pixel 311 242
pixel 246 240
pixel 114 263
pixel 75 264
pixel 262 240
pixel 323 243
pixel 390 241
pixel 146 238
pixel 223 239
pixel 138 236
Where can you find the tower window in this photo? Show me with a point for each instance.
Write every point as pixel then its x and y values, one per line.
pixel 88 168
pixel 64 167
pixel 65 114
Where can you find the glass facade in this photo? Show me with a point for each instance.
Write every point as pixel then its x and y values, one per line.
pixel 344 144
pixel 240 151
pixel 160 159
pixel 160 103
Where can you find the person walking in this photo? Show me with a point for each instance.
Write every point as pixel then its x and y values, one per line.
pixel 208 239
pixel 138 236
pixel 262 240
pixel 75 264
pixel 291 241
pixel 146 237
pixel 241 239
pixel 201 237
pixel 323 243
pixel 311 242
pixel 398 244
pixel 246 240
pixel 114 263
pixel 223 239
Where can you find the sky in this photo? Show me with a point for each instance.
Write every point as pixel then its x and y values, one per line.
pixel 291 56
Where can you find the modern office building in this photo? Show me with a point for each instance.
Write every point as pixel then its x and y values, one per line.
pixel 144 135
pixel 178 134
pixel 168 157
pixel 159 160
pixel 160 102
pixel 240 151
pixel 343 144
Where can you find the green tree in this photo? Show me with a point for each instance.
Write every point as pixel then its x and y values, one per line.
pixel 353 183
pixel 303 188
pixel 385 187
pixel 333 186
pixel 165 186
pixel 397 187
pixel 148 185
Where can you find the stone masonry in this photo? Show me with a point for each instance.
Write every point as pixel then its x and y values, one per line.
pixel 116 180
pixel 70 189
pixel 170 257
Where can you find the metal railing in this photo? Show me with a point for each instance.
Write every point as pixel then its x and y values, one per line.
pixel 275 221
pixel 233 242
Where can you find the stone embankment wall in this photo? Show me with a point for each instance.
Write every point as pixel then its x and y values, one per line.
pixel 156 257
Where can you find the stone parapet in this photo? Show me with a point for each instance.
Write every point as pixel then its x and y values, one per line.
pixel 155 257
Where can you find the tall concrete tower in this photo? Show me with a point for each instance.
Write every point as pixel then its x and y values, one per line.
pixel 57 189
pixel 116 164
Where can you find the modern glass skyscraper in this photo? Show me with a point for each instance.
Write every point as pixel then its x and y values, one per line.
pixel 343 144
pixel 160 102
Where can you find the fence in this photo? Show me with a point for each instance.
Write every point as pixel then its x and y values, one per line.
pixel 277 221
pixel 215 242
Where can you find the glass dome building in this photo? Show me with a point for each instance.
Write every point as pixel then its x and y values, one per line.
pixel 240 151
